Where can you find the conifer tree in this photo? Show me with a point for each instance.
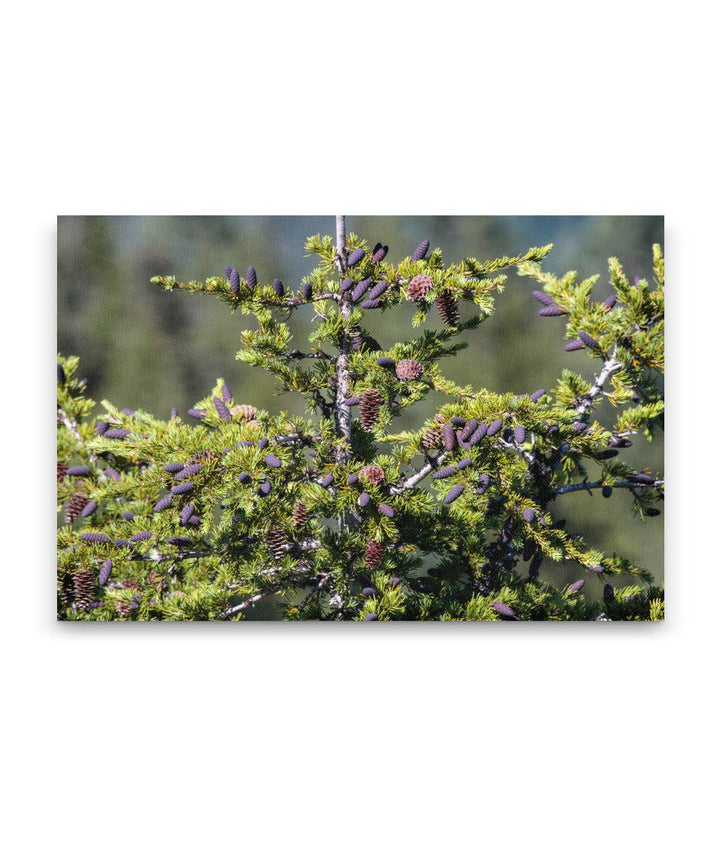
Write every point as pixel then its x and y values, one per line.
pixel 333 515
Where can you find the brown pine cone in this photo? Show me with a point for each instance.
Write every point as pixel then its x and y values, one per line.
pixel 419 287
pixel 244 411
pixel 277 541
pixel 372 473
pixel 67 589
pixel 448 309
pixel 75 505
pixel 409 369
pixel 300 515
pixel 374 552
pixel 83 589
pixel 369 408
pixel 61 470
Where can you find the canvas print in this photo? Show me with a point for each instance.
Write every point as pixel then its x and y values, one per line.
pixel 367 419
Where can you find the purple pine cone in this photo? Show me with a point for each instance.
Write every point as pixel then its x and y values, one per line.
pixel 228 270
pixel 543 298
pixel 273 461
pixel 251 277
pixel 378 289
pixel 598 569
pixel 360 289
pixel 264 488
pixel 121 542
pixel 453 493
pixel 346 285
pixel 478 434
pixel 101 427
pixel 494 427
pixel 386 509
pixel 576 586
pixel 446 472
pixel 117 433
pixel 607 491
pixel 355 399
pixel 141 536
pixel 278 288
pixel 61 375
pixel 95 538
pixel 78 471
pixel 519 434
pixel 503 609
pixel 355 257
pixel 363 499
pixel 89 509
pixel 307 290
pixel 174 467
pixel 610 302
pixel 620 442
pixel 469 429
pixel 457 421
pixel 588 340
pixel 386 363
pixel 128 411
pixel 244 478
pixel 380 253
pixel 196 413
pixel 104 574
pixel 327 480
pixel 353 478
pixel 466 462
pixel 186 513
pixel 194 520
pixel 483 483
pixel 179 541
pixel 368 591
pixel 449 437
pixel 112 474
pixel 186 472
pixel 371 616
pixel 222 409
pixel 420 251
pixel 579 427
pixel 163 503
pixel 370 304
pixel 552 311
pixel 234 277
pixel 185 487
pixel 538 394
pixel 225 393
pixel 263 443
pixel 575 345
pixel 641 478
pixel 528 515
pixel 128 515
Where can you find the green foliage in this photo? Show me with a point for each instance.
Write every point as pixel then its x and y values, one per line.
pixel 335 515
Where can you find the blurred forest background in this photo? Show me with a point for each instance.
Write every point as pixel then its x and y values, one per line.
pixel 148 349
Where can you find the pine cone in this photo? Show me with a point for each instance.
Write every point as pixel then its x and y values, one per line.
pixel 379 253
pixel 369 408
pixel 610 302
pixel 374 552
pixel 278 288
pixel 453 493
pixel 78 471
pixel 433 438
pixel 576 586
pixel 300 516
pixel 448 309
pixel 378 289
pixel 494 427
pixel 186 472
pixel 588 340
pixel 251 277
pixel 355 257
pixel 117 433
pixel 419 288
pixel 234 281
pixel 173 467
pixel 83 589
pixel 104 574
pixel 74 507
pixel 196 413
pixel 503 609
pixel 61 375
pixel 420 251
pixel 346 285
pixel 409 369
pixel 386 509
pixel 372 473
pixel 307 290
pixel 89 509
pixel 222 409
pixel 520 434
pixel 537 395
pixel 449 437
pixel 543 298
pixel 445 472
pixel 244 411
pixel 386 363
pixel 225 393
pixel 277 542
pixel 61 470
pixel 552 311
pixel 575 345
pixel 360 289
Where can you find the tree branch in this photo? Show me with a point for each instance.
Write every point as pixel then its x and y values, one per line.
pixel 571 488
pixel 610 367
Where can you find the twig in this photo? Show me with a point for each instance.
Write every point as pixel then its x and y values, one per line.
pixel 611 366
pixel 571 488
